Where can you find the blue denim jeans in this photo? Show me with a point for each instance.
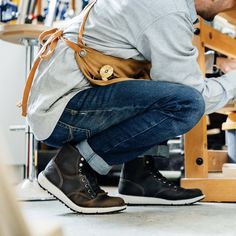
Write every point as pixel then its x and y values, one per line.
pixel 114 124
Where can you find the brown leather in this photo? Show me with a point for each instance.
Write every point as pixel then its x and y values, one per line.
pixel 89 61
pixel 70 173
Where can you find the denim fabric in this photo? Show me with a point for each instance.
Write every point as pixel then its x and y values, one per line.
pixel 158 150
pixel 121 121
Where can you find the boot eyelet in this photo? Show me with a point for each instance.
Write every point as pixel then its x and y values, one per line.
pixel 82 159
pixel 83 180
pixel 80 164
pixel 80 170
pixel 86 186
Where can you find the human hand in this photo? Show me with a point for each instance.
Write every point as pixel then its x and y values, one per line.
pixel 226 64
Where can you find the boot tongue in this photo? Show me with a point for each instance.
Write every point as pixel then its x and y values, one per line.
pixel 149 163
pixel 92 178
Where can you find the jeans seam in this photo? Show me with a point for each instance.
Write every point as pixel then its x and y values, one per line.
pixel 135 135
pixel 91 157
pixel 87 131
pixel 110 110
pixel 71 133
pixel 64 126
pixel 72 128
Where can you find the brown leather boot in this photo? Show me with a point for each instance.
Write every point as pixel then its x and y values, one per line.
pixel 71 180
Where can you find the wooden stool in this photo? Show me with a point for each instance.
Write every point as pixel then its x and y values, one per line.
pixel 18 33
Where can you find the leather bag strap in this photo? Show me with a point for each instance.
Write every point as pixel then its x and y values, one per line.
pixel 52 36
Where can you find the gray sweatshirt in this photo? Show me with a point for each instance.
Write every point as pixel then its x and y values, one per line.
pixel 160 31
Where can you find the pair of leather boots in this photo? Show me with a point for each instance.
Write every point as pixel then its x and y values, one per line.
pixel 72 181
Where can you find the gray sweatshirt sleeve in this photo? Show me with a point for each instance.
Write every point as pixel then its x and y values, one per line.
pixel 167 43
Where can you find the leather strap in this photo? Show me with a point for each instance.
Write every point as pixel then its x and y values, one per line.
pixel 44 54
pixel 87 10
pixel 52 36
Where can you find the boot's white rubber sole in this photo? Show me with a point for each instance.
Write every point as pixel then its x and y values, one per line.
pixel 134 200
pixel 56 192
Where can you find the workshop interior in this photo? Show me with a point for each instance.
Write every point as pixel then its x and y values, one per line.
pixel 204 158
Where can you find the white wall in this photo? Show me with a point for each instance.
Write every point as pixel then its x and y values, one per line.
pixel 12 79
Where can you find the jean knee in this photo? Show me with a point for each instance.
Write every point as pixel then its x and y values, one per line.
pixel 198 103
pixel 196 107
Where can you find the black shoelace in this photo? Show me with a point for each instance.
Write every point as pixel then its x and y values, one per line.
pixel 157 175
pixel 89 174
pixel 164 180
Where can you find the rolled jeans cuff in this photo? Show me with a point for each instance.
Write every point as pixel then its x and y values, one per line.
pixel 93 159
